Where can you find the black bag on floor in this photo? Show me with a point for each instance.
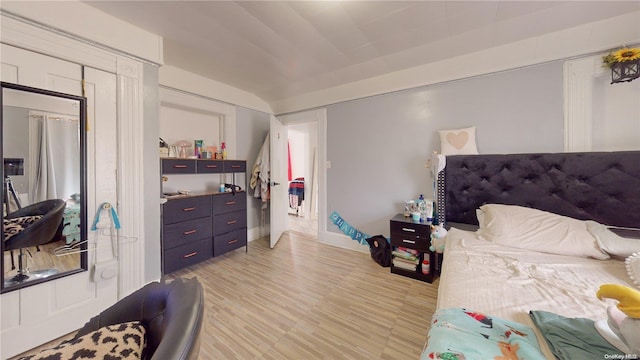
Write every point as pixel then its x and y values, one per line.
pixel 380 250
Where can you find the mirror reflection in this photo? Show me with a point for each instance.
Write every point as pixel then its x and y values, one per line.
pixel 44 182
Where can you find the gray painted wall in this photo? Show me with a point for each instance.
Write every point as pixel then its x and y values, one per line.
pixel 152 248
pixel 252 127
pixel 378 146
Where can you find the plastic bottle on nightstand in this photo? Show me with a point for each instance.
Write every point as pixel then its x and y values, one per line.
pixel 425 266
pixel 422 208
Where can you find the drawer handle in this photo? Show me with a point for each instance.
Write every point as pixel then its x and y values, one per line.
pixel 188 209
pixel 212 166
pixel 190 255
pixel 189 232
pixel 235 166
pixel 409 230
pixel 232 241
pixel 179 166
pixel 230 203
pixel 232 222
pixel 408 241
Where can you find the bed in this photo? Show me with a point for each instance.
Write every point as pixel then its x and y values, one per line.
pixel 71 223
pixel 511 258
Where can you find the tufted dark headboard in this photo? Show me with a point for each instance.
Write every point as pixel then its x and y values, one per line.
pixel 601 186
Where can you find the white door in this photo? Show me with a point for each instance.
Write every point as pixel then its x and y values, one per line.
pixel 42 312
pixel 279 180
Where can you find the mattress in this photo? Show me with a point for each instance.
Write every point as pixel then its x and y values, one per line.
pixel 508 282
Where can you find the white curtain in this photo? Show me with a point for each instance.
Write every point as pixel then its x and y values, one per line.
pixel 43 181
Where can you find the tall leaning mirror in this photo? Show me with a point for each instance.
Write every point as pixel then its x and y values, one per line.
pixel 44 191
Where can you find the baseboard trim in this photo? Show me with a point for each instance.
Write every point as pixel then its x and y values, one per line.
pixel 256 233
pixel 341 241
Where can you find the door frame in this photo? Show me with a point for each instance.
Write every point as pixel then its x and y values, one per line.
pixel 129 101
pixel 318 116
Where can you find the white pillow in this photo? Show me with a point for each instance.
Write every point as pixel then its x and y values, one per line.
pixel 537 230
pixel 459 141
pixel 612 243
pixel 632 263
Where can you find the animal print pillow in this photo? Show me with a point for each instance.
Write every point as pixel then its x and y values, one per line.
pixel 16 225
pixel 113 342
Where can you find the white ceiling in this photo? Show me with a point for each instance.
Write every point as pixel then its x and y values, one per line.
pixel 277 50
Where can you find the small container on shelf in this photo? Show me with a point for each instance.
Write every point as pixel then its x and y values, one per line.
pixel 425 266
pixel 223 147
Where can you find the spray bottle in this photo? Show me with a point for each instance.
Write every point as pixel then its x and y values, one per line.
pixel 223 147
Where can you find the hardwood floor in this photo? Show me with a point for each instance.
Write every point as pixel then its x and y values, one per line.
pixel 306 300
pixel 43 259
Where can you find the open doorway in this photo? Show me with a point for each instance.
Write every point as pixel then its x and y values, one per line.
pixel 303 172
pixel 303 179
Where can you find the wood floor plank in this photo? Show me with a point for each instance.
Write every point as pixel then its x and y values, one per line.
pixel 307 300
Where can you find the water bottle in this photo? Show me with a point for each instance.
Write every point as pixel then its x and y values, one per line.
pixel 422 208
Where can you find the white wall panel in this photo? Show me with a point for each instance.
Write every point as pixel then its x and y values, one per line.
pixel 599 116
pixel 51 309
pixel 75 17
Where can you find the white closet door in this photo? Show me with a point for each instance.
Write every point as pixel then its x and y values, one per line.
pixel 278 178
pixel 599 116
pixel 43 312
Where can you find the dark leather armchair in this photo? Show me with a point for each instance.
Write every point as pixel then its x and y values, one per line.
pixel 43 230
pixel 171 313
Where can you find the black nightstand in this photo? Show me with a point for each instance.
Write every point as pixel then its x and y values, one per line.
pixel 416 236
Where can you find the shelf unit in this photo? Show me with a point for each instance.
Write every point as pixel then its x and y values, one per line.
pixel 201 226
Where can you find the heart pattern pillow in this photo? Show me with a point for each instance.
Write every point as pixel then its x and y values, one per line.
pixel 458 141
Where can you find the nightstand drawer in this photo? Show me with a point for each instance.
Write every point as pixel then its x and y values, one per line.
pixel 230 241
pixel 225 223
pixel 225 203
pixel 187 255
pixel 420 244
pixel 178 234
pixel 411 229
pixel 188 208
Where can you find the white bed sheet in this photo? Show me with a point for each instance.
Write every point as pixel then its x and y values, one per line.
pixel 509 282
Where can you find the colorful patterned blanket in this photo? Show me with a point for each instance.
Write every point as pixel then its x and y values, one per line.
pixel 461 334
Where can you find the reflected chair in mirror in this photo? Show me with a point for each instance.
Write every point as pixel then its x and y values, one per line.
pixel 31 226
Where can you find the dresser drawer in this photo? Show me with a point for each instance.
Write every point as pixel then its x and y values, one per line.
pixel 235 166
pixel 188 208
pixel 178 166
pixel 187 255
pixel 225 223
pixel 225 203
pixel 230 241
pixel 178 234
pixel 210 166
